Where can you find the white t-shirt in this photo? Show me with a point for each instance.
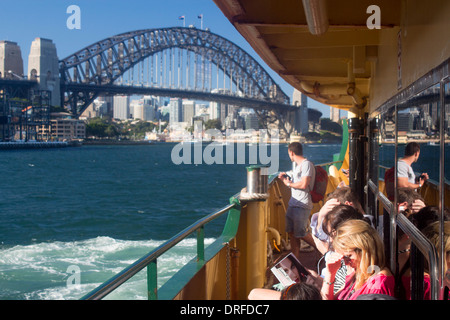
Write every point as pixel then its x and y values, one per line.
pixel 404 170
pixel 301 197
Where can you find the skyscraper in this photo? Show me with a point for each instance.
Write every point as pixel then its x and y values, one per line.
pixel 121 107
pixel 176 109
pixel 188 111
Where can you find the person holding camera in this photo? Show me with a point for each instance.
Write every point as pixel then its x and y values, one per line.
pixel 300 181
pixel 405 173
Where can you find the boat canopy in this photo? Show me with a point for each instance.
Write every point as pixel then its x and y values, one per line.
pixel 349 54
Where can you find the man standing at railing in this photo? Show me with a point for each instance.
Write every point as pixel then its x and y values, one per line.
pixel 301 181
pixel 405 173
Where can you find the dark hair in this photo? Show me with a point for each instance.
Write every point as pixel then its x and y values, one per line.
pixel 344 194
pixel 411 148
pixel 300 291
pixel 296 148
pixel 339 214
pixel 428 215
pixel 408 195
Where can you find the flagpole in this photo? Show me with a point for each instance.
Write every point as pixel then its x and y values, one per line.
pixel 201 21
pixel 184 20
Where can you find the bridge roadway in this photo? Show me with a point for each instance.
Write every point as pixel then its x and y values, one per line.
pixel 236 100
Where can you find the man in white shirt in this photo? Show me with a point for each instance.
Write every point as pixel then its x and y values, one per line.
pixel 405 174
pixel 301 182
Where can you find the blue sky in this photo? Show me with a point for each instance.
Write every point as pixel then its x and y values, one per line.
pixel 24 20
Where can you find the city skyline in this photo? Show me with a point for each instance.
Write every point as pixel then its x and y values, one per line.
pixel 25 20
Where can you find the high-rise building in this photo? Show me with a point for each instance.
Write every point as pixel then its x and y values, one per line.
pixel 151 104
pixel 11 63
pixel 234 120
pixel 188 111
pixel 109 104
pixel 121 107
pixel 143 109
pixel 251 121
pixel 219 110
pixel 176 110
pixel 43 66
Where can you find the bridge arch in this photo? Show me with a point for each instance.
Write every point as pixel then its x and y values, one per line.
pixel 103 62
pixel 96 69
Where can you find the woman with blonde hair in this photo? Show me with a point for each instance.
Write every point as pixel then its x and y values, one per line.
pixel 359 245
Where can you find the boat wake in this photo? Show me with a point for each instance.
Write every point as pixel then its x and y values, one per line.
pixel 69 270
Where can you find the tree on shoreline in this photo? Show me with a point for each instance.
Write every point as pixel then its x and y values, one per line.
pixel 105 128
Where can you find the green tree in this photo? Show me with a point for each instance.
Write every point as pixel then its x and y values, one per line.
pixel 328 125
pixel 213 124
pixel 96 127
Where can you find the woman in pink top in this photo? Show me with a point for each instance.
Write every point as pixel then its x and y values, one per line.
pixel 359 245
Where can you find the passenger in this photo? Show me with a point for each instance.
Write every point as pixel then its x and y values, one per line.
pixel 373 296
pixel 362 249
pixel 409 200
pixel 432 232
pixel 296 291
pixel 292 268
pixel 342 195
pixel 428 215
pixel 301 291
pixel 330 224
pixel 421 220
pixel 405 173
pixel 301 181
pixel 333 214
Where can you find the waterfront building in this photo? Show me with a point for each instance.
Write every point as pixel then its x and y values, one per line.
pixel 62 128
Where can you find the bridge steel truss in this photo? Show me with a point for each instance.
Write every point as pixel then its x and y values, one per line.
pixel 96 69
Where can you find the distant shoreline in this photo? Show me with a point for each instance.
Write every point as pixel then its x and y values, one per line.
pixel 14 145
pixel 116 142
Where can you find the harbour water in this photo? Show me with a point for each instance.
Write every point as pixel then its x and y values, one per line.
pixel 100 208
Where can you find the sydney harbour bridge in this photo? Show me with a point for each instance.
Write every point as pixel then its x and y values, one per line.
pixel 170 62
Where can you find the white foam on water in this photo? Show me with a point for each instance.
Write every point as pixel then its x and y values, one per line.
pixel 42 271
